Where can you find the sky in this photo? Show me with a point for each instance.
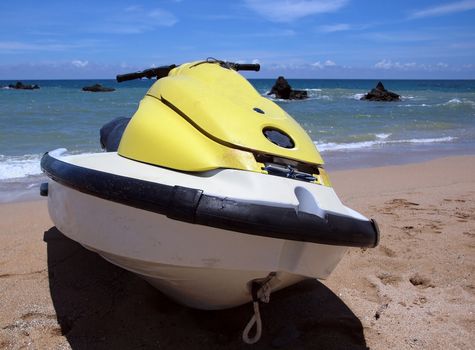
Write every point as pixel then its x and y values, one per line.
pixel 336 39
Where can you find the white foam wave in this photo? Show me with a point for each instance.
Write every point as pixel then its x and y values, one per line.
pixel 421 105
pixel 316 94
pixel 333 146
pixel 273 98
pixel 433 140
pixel 357 96
pixel 13 167
pixel 309 98
pixel 311 90
pixel 383 136
pixel 454 101
pixel 451 103
pixel 312 93
pixel 457 102
pixel 16 167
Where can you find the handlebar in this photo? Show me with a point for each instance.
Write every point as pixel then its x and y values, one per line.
pixel 245 66
pixel 160 72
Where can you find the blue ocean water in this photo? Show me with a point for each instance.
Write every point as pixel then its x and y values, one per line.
pixel 434 118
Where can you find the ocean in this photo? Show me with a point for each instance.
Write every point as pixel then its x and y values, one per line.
pixel 434 118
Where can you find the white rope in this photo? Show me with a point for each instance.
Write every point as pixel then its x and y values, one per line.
pixel 263 294
pixel 256 319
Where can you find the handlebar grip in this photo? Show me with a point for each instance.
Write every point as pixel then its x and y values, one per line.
pixel 248 66
pixel 128 76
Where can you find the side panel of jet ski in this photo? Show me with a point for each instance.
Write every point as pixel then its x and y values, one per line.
pixel 148 139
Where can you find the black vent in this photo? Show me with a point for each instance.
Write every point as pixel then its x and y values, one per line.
pixel 279 138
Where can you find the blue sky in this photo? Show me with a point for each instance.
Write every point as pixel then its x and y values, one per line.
pixel 294 38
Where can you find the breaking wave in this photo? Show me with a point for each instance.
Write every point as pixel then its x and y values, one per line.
pixel 19 166
pixel 16 167
pixel 382 140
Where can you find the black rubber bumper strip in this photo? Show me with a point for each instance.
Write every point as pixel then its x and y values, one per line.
pixel 193 206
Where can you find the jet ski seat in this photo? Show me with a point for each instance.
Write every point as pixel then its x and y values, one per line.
pixel 111 133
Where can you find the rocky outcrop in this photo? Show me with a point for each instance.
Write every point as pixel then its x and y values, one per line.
pixel 20 86
pixel 97 88
pixel 379 93
pixel 298 95
pixel 283 90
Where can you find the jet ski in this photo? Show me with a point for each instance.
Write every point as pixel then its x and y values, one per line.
pixel 210 192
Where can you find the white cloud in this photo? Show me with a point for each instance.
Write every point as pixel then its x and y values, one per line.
pixel 292 66
pixel 291 10
pixel 388 64
pixel 320 65
pixel 335 28
pixel 79 63
pixel 441 10
pixel 384 64
pixel 162 17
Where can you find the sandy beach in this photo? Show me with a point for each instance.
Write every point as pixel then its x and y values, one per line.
pixel 416 290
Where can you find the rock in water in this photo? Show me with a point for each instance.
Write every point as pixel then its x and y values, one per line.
pixel 20 86
pixel 298 95
pixel 283 90
pixel 379 93
pixel 97 88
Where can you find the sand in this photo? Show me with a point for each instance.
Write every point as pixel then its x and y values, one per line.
pixel 414 291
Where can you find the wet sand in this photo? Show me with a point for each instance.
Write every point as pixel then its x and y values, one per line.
pixel 416 290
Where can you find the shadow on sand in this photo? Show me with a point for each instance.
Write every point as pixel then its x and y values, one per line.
pixel 100 306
